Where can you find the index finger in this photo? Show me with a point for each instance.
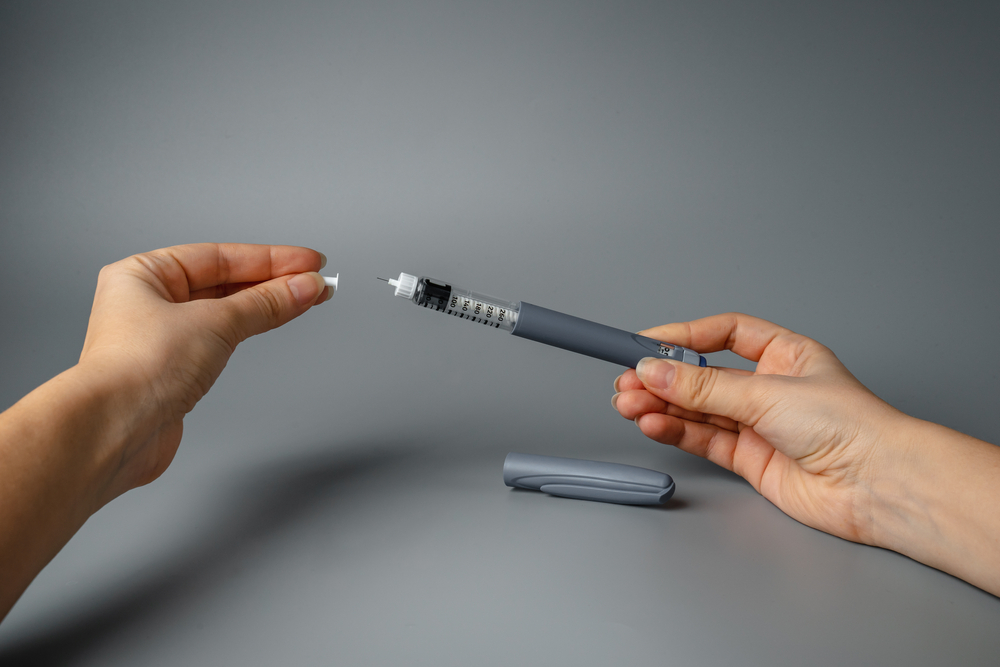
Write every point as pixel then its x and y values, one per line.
pixel 203 265
pixel 745 335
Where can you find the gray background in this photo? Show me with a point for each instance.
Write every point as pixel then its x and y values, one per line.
pixel 337 498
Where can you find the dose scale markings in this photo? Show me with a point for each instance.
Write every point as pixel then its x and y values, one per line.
pixel 477 311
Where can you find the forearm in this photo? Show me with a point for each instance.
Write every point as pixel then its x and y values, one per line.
pixel 57 448
pixel 940 503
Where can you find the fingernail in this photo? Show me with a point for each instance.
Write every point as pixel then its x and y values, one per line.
pixel 322 261
pixel 306 287
pixel 329 294
pixel 616 383
pixel 655 372
pixel 614 401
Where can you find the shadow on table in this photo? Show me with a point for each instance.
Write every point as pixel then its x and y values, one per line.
pixel 263 504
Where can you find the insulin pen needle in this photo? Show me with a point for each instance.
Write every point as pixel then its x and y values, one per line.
pixel 404 285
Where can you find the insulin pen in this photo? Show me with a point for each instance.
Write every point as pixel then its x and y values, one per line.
pixel 527 320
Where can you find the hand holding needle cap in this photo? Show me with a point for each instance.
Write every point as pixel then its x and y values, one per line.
pixel 162 328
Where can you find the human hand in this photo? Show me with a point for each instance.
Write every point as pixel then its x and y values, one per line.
pixel 164 324
pixel 801 429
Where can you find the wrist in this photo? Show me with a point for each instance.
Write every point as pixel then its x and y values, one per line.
pixel 929 501
pixel 115 414
pixel 898 497
pixel 89 430
pixel 55 455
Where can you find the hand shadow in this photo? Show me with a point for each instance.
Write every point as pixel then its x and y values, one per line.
pixel 264 503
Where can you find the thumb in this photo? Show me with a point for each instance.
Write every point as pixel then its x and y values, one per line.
pixel 271 304
pixel 707 390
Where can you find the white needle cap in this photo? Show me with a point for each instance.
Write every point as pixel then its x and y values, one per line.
pixel 332 282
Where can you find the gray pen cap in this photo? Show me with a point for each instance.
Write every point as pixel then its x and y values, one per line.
pixel 587 480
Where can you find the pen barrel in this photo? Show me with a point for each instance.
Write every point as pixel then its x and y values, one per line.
pixel 594 340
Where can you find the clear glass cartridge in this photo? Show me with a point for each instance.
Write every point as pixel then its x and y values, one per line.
pixel 451 300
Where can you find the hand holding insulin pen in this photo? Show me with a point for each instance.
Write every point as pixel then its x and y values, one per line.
pixel 569 478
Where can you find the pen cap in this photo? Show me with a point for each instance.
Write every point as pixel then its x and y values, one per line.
pixel 587 480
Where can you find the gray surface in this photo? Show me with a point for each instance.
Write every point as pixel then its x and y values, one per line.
pixel 338 496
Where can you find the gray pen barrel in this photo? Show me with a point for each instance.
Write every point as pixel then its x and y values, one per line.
pixel 594 340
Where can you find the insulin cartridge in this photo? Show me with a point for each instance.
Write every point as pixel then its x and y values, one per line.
pixel 539 324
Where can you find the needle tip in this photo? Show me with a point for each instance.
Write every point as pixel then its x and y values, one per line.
pixel 385 279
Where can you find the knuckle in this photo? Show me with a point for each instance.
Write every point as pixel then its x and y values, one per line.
pixel 150 261
pixel 109 271
pixel 699 387
pixel 227 326
pixel 268 304
pixel 718 452
pixel 105 275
